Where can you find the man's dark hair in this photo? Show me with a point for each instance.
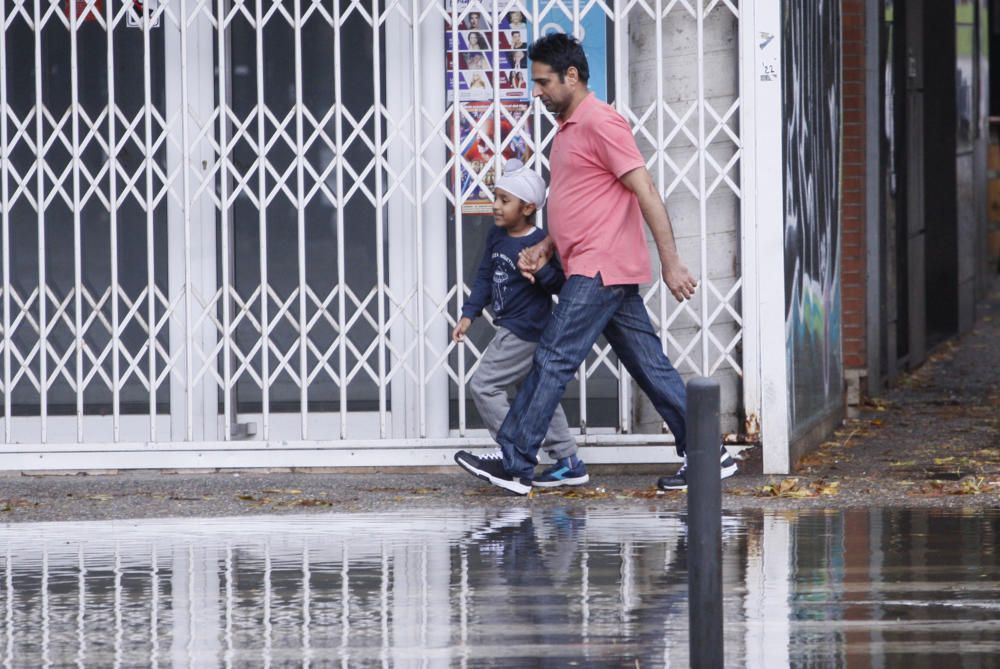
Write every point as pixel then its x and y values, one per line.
pixel 560 52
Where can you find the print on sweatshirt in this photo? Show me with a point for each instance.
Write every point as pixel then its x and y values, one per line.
pixel 517 304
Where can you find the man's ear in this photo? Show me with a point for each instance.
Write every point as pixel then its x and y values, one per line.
pixel 572 74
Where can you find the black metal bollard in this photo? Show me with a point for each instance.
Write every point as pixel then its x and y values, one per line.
pixel 704 498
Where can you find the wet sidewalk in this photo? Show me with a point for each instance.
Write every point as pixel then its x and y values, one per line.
pixel 934 441
pixel 516 587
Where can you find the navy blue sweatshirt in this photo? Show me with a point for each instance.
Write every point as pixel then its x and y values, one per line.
pixel 517 304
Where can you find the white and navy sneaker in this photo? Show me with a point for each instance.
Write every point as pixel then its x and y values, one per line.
pixel 561 474
pixel 678 481
pixel 490 468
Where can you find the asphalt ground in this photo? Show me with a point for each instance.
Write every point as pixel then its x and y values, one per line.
pixel 932 441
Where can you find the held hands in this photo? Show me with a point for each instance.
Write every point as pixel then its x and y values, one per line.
pixel 680 282
pixel 458 334
pixel 533 258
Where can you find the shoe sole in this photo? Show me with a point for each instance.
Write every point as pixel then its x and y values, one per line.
pixel 511 486
pixel 579 480
pixel 724 473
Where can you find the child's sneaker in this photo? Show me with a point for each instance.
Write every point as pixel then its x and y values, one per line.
pixel 490 468
pixel 561 474
pixel 678 481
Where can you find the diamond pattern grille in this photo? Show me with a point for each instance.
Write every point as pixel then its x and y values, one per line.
pixel 275 238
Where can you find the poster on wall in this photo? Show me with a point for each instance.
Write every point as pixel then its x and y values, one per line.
pixel 485 63
pixel 477 137
pixel 592 34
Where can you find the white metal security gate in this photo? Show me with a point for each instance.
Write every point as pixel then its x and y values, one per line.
pixel 230 235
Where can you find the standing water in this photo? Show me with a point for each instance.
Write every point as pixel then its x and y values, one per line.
pixel 513 587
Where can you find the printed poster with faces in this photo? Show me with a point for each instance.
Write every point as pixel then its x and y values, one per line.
pixel 484 63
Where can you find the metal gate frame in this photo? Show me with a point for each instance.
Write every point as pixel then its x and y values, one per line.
pixel 409 358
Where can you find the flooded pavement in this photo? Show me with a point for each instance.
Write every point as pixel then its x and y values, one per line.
pixel 514 587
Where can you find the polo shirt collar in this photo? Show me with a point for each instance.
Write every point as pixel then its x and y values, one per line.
pixel 585 105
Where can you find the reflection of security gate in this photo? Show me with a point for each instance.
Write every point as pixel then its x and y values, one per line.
pixel 230 238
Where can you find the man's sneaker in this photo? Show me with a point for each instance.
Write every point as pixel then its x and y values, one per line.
pixel 679 480
pixel 490 468
pixel 560 475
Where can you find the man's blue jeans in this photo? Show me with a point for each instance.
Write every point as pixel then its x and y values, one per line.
pixel 586 309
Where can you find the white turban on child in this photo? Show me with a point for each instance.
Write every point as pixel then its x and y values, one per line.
pixel 522 183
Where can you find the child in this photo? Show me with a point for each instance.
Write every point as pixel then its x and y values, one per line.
pixel 521 309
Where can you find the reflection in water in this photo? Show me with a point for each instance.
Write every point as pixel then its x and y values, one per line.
pixel 516 587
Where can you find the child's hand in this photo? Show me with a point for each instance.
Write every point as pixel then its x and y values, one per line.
pixel 533 258
pixel 458 334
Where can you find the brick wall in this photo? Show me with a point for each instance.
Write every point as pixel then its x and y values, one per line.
pixel 853 203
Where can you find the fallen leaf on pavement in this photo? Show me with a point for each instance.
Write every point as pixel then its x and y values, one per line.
pixel 312 502
pixel 790 488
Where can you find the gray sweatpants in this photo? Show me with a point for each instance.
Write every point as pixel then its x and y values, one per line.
pixel 505 363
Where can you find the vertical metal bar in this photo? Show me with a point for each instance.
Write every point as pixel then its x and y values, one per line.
pixel 43 361
pixel 5 213
pixel 77 254
pixel 661 287
pixel 621 103
pixel 583 365
pixel 497 103
pixel 227 343
pixel 301 225
pixel 186 199
pixel 341 274
pixel 113 221
pixel 456 189
pixel 150 260
pixel 702 196
pixel 418 143
pixel 265 326
pixel 379 214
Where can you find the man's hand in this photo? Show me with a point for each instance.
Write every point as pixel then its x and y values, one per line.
pixel 679 280
pixel 458 334
pixel 533 258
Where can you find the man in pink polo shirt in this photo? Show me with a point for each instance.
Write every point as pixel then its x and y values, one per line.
pixel 599 194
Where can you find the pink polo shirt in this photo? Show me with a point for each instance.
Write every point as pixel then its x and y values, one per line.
pixel 594 219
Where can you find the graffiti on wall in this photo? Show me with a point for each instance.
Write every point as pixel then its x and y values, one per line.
pixel 812 141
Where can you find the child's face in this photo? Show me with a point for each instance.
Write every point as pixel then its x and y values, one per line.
pixel 510 212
